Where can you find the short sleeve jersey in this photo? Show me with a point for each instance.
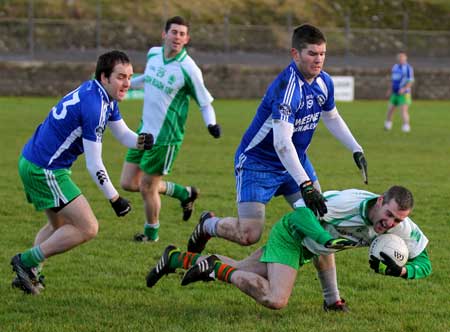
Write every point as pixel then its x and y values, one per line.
pixel 289 98
pixel 401 75
pixel 82 113
pixel 347 217
pixel 168 86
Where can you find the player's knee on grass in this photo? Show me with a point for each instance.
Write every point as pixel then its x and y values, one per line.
pixel 276 303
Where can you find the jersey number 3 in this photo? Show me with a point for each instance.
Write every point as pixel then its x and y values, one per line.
pixel 69 102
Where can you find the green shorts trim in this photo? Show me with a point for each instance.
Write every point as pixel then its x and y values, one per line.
pixel 46 188
pixel 282 248
pixel 158 160
pixel 398 100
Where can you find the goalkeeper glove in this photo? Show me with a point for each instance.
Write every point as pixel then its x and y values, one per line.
pixel 361 162
pixel 215 130
pixel 340 243
pixel 386 265
pixel 313 198
pixel 121 206
pixel 144 141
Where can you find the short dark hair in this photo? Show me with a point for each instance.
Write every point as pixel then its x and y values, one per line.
pixel 307 34
pixel 176 20
pixel 107 61
pixel 402 196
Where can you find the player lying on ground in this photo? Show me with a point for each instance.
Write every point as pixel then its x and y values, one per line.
pixel 354 219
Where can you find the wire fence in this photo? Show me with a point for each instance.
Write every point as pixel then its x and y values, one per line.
pixel 36 34
pixel 28 36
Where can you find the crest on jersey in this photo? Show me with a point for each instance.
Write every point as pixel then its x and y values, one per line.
pixel 321 99
pixel 160 72
pixel 99 131
pixel 285 109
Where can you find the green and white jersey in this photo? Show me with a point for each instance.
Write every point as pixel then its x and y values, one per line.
pixel 347 217
pixel 168 86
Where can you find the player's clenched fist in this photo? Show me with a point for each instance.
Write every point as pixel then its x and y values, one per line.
pixel 144 141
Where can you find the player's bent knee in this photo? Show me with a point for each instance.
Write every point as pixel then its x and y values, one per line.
pixel 249 238
pixel 90 231
pixel 276 304
pixel 129 186
pixel 250 235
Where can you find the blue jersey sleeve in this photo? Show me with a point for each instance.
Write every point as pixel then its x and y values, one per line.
pixel 93 117
pixel 115 114
pixel 285 100
pixel 327 103
pixel 410 74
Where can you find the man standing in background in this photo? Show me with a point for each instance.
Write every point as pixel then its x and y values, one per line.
pixel 400 92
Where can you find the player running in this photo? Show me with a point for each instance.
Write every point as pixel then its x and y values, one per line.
pixel 171 77
pixel 354 219
pixel 75 125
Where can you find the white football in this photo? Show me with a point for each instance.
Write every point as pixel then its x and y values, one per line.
pixel 392 245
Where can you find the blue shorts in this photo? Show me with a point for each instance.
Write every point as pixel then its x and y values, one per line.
pixel 256 185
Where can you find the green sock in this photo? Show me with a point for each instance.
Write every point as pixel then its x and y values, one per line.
pixel 32 257
pixel 176 191
pixel 183 259
pixel 151 231
pixel 173 260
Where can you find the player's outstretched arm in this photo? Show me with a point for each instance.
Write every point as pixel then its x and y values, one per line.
pixel 336 125
pixel 209 117
pixel 361 162
pixel 97 170
pixel 129 138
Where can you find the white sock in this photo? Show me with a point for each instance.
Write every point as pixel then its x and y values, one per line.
pixel 328 280
pixel 210 226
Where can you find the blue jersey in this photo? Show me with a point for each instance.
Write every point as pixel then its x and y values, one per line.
pixel 289 98
pixel 401 75
pixel 82 113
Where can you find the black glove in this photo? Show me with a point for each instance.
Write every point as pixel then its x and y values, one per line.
pixel 361 162
pixel 144 141
pixel 313 198
pixel 340 243
pixel 386 266
pixel 214 130
pixel 121 206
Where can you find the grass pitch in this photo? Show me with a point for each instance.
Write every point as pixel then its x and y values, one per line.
pixel 100 286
